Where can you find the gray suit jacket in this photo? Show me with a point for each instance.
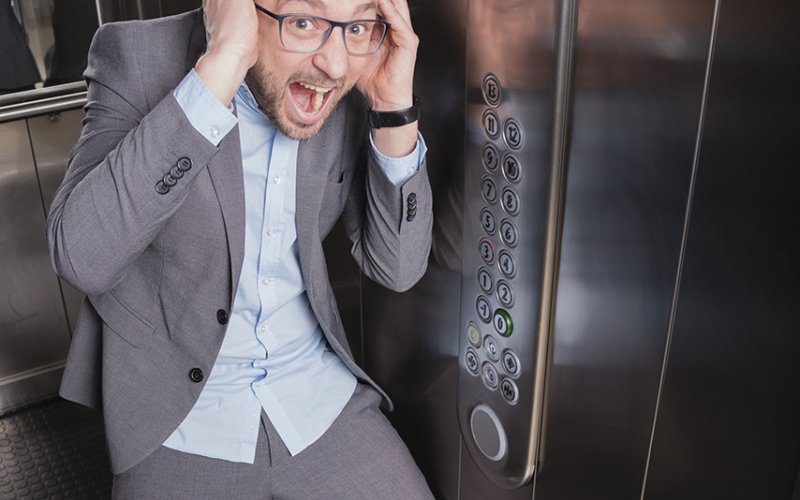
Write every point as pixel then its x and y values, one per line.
pixel 160 269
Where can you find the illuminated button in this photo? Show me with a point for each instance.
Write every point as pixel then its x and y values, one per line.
pixel 484 309
pixel 509 391
pixel 512 133
pixel 507 264
pixel 508 233
pixel 510 201
pixel 492 91
pixel 505 294
pixel 490 377
pixel 491 124
pixel 471 360
pixel 511 168
pixel 488 222
pixel 486 250
pixel 491 159
pixel 511 363
pixel 502 323
pixel 485 280
pixel 491 349
pixel 489 190
pixel 473 334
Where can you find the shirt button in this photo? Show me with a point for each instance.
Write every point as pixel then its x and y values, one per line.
pixel 271 232
pixel 276 179
pixel 266 281
pixel 262 328
pixel 214 132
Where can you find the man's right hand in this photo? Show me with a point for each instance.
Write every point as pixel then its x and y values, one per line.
pixel 232 36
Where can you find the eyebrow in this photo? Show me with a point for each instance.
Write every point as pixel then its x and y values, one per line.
pixel 318 4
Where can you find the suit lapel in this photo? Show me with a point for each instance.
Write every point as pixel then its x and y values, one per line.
pixel 315 158
pixel 226 174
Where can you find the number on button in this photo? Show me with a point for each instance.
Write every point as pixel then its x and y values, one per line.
pixel 505 294
pixel 510 201
pixel 491 124
pixel 488 221
pixel 484 309
pixel 487 251
pixel 489 190
pixel 508 232
pixel 511 168
pixel 490 157
pixel 485 280
pixel 471 360
pixel 507 264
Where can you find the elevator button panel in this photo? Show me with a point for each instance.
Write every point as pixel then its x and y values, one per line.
pixel 499 323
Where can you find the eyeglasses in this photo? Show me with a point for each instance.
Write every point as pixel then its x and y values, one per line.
pixel 304 33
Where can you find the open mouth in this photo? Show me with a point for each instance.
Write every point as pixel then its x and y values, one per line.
pixel 310 101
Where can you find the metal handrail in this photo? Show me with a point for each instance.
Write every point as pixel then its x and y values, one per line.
pixel 42 102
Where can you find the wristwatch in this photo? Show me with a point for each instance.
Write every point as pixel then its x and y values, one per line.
pixel 382 119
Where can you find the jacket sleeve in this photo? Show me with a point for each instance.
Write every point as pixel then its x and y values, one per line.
pixel 113 199
pixel 390 226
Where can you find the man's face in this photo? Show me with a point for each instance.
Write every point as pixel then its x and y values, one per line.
pixel 298 91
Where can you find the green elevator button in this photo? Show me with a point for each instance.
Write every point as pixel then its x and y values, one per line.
pixel 503 323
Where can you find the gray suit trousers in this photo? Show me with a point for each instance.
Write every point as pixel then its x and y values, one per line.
pixel 359 457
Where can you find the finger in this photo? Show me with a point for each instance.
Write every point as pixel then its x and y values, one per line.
pixel 394 15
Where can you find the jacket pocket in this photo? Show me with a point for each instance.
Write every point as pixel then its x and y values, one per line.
pixel 121 319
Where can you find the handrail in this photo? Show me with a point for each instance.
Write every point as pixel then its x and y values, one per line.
pixel 41 102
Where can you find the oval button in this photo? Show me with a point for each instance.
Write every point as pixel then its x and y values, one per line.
pixel 489 190
pixel 222 317
pixel 196 375
pixel 491 124
pixel 491 158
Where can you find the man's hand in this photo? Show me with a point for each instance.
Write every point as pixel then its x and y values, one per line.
pixel 232 35
pixel 388 82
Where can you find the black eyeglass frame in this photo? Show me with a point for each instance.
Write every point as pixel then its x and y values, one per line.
pixel 334 24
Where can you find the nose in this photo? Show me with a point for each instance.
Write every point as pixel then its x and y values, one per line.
pixel 332 57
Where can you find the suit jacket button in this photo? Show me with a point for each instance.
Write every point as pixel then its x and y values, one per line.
pixel 196 375
pixel 169 181
pixel 222 317
pixel 176 172
pixel 185 164
pixel 412 199
pixel 161 188
pixel 411 217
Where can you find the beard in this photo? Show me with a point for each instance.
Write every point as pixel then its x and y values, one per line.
pixel 270 94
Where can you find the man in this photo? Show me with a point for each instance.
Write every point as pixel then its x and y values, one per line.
pixel 218 149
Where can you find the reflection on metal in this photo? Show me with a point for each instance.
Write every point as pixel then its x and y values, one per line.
pixel 45 106
pixel 33 327
pixel 52 137
pixel 684 236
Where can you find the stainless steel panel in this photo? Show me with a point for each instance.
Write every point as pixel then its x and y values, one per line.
pixel 33 328
pixel 638 86
pixel 728 420
pixel 513 42
pixel 52 138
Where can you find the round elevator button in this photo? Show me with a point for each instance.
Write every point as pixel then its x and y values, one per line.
pixel 492 91
pixel 502 323
pixel 473 334
pixel 512 133
pixel 491 124
pixel 471 360
pixel 489 190
pixel 490 376
pixel 491 159
pixel 488 433
pixel 509 391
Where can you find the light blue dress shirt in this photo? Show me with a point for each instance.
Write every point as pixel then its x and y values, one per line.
pixel 274 356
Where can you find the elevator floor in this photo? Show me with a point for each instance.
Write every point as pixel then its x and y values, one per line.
pixel 53 450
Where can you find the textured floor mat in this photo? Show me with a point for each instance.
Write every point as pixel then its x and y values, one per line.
pixel 53 450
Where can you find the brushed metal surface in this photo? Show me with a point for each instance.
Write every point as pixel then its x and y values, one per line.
pixel 514 43
pixel 33 327
pixel 52 137
pixel 638 85
pixel 728 421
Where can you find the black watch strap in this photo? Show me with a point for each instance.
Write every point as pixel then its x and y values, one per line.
pixel 382 119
